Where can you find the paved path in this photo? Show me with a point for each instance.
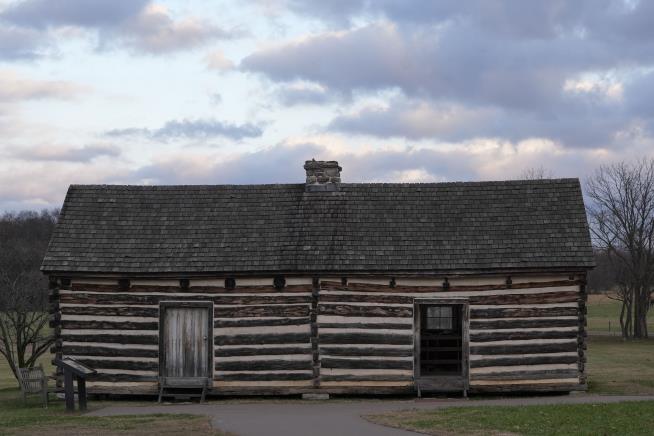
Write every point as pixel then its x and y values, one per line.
pixel 333 417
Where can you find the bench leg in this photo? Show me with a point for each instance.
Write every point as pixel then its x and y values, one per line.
pixel 161 388
pixel 204 392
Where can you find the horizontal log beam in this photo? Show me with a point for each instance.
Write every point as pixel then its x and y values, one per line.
pixel 521 335
pixel 254 322
pixel 78 350
pixel 327 285
pixel 263 365
pixel 536 387
pixel 522 323
pixel 115 288
pixel 524 349
pixel 522 312
pixel 367 311
pixel 115 339
pixel 264 376
pixel 365 363
pixel 282 338
pixel 150 312
pixel 127 298
pixel 122 378
pixel 365 325
pixel 255 289
pixel 259 311
pixel 88 287
pixel 284 351
pixel 110 325
pixel 526 375
pixel 365 378
pixel 523 360
pixel 363 298
pixel 540 298
pixel 365 338
pixel 366 351
pixel 120 364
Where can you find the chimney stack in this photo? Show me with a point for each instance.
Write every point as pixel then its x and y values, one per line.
pixel 322 175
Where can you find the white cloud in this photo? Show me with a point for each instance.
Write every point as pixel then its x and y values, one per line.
pixel 593 85
pixel 155 31
pixel 65 153
pixel 216 60
pixel 139 25
pixel 14 87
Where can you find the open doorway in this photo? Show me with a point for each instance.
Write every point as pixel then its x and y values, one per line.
pixel 441 340
pixel 441 360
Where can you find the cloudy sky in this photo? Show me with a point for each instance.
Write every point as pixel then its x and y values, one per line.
pixel 187 92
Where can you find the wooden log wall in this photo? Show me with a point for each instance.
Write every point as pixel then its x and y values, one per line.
pixel 366 337
pixel 522 336
pixel 329 335
pixel 55 325
pixel 261 334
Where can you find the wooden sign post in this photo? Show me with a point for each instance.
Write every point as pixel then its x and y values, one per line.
pixel 73 369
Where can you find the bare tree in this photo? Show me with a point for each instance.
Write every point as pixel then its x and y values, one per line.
pixel 23 289
pixel 622 223
pixel 536 173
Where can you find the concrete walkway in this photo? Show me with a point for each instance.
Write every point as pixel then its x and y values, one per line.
pixel 333 417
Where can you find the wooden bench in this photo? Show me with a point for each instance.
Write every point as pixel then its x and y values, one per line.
pixel 183 383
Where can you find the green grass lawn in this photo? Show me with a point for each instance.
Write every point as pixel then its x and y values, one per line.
pixel 634 418
pixel 615 366
pixel 30 418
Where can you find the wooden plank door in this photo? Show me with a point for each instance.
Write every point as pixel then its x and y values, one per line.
pixel 185 344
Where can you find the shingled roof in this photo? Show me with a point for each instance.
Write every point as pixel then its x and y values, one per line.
pixel 232 229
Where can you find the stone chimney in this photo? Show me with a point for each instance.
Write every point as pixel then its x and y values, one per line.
pixel 322 175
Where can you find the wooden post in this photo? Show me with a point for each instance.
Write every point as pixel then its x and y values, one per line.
pixel 69 390
pixel 81 393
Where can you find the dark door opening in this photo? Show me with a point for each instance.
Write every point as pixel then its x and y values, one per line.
pixel 441 340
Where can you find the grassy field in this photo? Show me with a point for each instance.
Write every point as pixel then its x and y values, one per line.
pixel 634 418
pixel 604 315
pixel 615 366
pixel 620 367
pixel 30 418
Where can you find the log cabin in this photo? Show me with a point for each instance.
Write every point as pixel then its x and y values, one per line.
pixel 324 287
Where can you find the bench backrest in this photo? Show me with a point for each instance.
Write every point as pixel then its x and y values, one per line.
pixel 32 379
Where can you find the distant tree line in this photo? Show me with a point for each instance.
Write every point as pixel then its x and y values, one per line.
pixel 603 277
pixel 24 335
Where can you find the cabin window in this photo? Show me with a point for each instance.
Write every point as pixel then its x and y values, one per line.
pixel 439 318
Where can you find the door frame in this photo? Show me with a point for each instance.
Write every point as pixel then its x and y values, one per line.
pixel 465 333
pixel 163 305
